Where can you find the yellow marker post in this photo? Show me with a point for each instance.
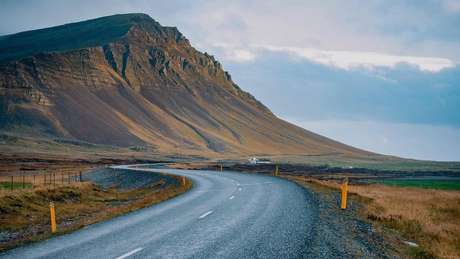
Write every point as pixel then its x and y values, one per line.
pixel 183 180
pixel 52 218
pixel 343 204
pixel 276 170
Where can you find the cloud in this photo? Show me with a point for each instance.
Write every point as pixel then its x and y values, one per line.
pixel 346 60
pixel 407 28
pixel 239 55
pixel 310 90
pixel 452 6
pixel 243 55
pixel 358 59
pixel 401 28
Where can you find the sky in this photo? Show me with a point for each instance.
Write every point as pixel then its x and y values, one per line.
pixel 383 75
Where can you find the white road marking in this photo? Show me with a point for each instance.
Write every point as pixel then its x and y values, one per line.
pixel 206 214
pixel 239 189
pixel 130 253
pixel 250 184
pixel 231 197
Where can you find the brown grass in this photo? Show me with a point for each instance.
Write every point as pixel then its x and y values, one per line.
pixel 431 218
pixel 25 213
pixel 39 175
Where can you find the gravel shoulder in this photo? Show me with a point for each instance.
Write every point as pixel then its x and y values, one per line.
pixel 340 233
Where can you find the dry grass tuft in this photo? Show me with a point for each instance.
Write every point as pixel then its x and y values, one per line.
pixel 430 217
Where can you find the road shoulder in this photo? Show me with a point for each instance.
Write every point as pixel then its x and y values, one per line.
pixel 345 233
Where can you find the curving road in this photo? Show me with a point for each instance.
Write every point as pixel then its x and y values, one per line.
pixel 225 215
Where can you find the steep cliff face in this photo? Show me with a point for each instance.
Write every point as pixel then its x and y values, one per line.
pixel 126 80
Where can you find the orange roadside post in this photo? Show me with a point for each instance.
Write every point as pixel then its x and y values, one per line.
pixel 52 217
pixel 276 170
pixel 343 204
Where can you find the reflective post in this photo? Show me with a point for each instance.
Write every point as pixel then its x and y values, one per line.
pixel 52 217
pixel 343 204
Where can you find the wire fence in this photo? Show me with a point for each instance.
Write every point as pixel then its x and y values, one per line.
pixel 28 180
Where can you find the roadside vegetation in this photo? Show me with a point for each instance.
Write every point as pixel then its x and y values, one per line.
pixel 424 183
pixel 24 213
pixel 372 162
pixel 14 186
pixel 427 217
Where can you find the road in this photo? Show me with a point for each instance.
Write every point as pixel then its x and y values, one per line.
pixel 225 215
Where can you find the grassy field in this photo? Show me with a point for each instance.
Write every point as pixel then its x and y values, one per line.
pixel 428 217
pixel 14 186
pixel 424 183
pixel 375 162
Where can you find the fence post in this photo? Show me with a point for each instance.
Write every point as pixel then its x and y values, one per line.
pixel 52 217
pixel 183 180
pixel 344 187
pixel 23 181
pixel 12 182
pixel 276 173
pixel 221 167
pixel 80 177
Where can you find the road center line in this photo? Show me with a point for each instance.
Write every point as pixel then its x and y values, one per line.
pixel 231 197
pixel 206 214
pixel 130 253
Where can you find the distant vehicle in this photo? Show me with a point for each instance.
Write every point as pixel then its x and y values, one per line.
pixel 255 160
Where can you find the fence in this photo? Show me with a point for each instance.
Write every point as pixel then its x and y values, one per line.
pixel 27 180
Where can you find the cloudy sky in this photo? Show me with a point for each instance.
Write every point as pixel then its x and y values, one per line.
pixel 382 75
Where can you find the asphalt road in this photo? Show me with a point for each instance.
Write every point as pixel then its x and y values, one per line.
pixel 225 215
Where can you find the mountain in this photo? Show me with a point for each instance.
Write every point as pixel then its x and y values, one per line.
pixel 125 80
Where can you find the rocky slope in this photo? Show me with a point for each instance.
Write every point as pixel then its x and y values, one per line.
pixel 125 80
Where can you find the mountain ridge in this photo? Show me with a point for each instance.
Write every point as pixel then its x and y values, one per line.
pixel 141 84
pixel 51 39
